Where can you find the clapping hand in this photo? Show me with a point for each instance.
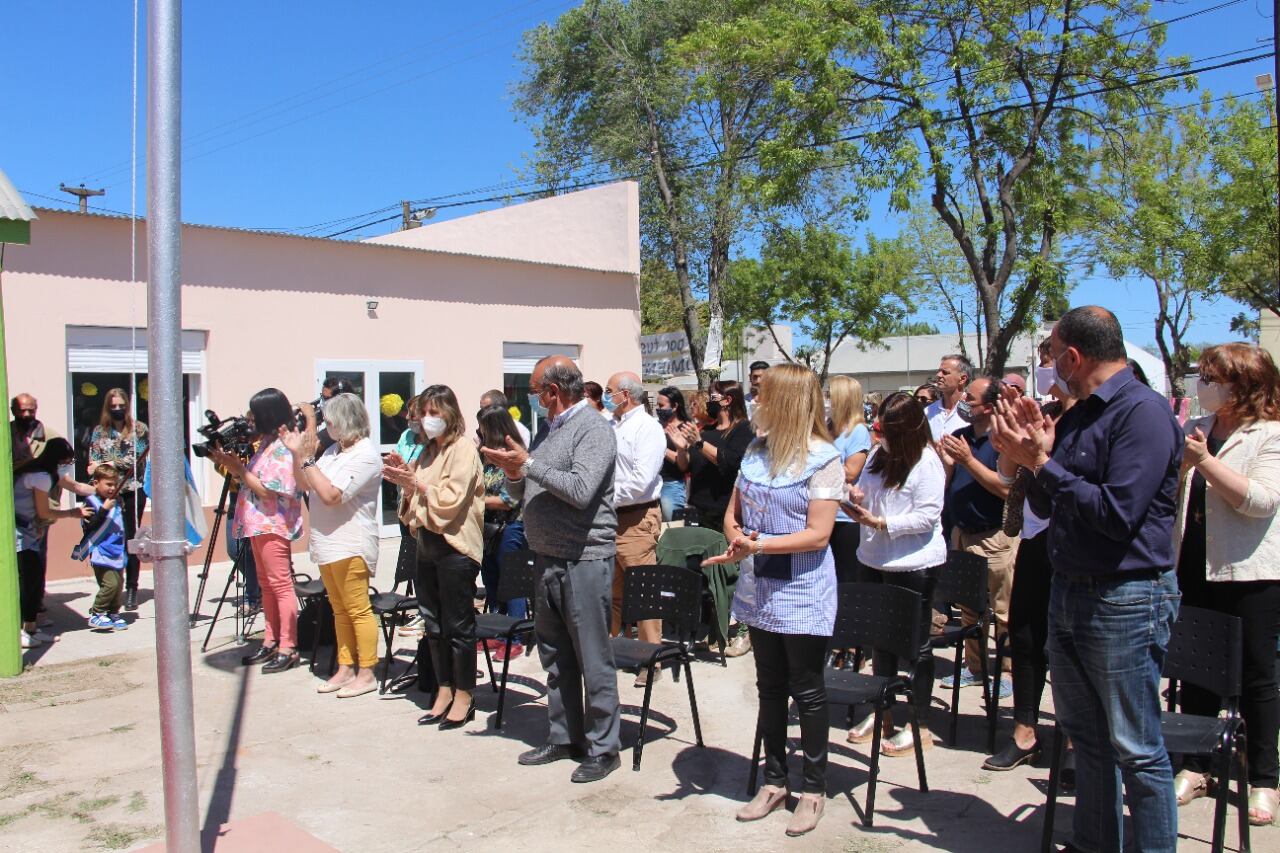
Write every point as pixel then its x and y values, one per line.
pixel 1021 431
pixel 510 460
pixel 1197 448
pixel 396 470
pixel 301 444
pixel 675 432
pixel 739 548
pixel 955 450
pixel 690 434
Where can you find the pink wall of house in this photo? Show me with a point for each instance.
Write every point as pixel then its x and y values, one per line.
pixel 271 306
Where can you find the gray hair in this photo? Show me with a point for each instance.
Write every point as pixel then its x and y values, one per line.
pixel 345 418
pixel 567 377
pixel 635 389
pixel 962 364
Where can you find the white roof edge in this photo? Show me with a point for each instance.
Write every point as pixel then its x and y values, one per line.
pixel 12 205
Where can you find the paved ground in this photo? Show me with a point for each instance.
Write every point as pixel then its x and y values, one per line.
pixel 80 764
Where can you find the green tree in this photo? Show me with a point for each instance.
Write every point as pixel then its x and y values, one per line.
pixel 982 103
pixel 913 327
pixel 1155 211
pixel 812 278
pixel 606 87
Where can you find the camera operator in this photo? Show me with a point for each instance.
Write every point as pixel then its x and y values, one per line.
pixel 269 515
pixel 239 548
pixel 329 389
pixel 343 483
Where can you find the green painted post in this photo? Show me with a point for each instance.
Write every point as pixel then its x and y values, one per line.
pixel 10 618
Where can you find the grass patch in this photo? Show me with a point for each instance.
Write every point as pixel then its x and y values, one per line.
pixel 119 836
pixel 85 809
pixel 105 662
pixel 119 730
pixel 56 807
pixel 6 819
pixel 137 802
pixel 21 783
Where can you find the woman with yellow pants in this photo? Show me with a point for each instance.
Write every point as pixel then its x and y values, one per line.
pixel 343 483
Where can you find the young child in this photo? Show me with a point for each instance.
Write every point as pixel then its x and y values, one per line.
pixel 103 544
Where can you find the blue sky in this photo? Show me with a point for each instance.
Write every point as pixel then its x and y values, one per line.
pixel 298 115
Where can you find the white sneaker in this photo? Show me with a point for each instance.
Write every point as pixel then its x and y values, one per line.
pixel 26 640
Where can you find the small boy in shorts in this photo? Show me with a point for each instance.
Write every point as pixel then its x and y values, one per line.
pixel 104 545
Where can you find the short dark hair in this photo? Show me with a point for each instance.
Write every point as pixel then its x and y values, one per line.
pixel 1094 331
pixel 271 410
pixel 593 390
pixel 758 365
pixel 495 397
pixel 992 393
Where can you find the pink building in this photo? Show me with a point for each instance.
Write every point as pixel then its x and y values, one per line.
pixel 471 303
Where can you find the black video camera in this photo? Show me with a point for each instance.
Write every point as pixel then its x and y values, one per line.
pixel 232 435
pixel 300 420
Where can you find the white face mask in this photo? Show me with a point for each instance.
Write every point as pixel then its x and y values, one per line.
pixel 433 427
pixel 66 472
pixel 1212 395
pixel 1060 380
pixel 1044 380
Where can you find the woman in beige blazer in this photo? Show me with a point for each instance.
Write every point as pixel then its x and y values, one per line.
pixel 443 505
pixel 1227 538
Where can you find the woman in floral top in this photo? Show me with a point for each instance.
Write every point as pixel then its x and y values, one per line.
pixel 269 515
pixel 122 441
pixel 504 531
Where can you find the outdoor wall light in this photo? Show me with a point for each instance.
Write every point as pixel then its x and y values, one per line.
pixel 372 305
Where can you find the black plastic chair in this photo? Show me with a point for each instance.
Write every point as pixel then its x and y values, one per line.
pixel 1206 648
pixel 674 595
pixel 311 593
pixel 963 582
pixel 518 579
pixel 391 608
pixel 873 616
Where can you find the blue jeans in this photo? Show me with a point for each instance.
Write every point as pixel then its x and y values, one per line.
pixel 672 498
pixel 512 539
pixel 1107 643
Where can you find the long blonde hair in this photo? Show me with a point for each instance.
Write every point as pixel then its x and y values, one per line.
pixel 846 404
pixel 790 414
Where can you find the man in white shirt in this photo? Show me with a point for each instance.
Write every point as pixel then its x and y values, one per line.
pixel 494 397
pixel 637 485
pixel 953 377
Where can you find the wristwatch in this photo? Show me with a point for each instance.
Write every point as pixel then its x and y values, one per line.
pixel 309 463
pixel 697 445
pixel 524 466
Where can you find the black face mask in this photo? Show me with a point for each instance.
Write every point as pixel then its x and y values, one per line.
pixel 24 421
pixel 713 409
pixel 117 415
pixel 665 415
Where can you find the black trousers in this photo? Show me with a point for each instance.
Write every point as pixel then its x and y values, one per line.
pixel 1029 627
pixel 1257 603
pixel 446 588
pixel 30 584
pixel 844 549
pixel 885 663
pixel 790 665
pixel 132 505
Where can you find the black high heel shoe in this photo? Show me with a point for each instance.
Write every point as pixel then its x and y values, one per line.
pixel 446 723
pixel 264 652
pixel 430 719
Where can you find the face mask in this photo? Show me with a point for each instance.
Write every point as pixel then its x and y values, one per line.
pixel 713 409
pixel 66 472
pixel 24 421
pixel 415 427
pixel 433 427
pixel 1212 395
pixel 1060 380
pixel 117 415
pixel 1044 380
pixel 665 415
pixel 608 402
pixel 964 411
pixel 826 408
pixel 535 404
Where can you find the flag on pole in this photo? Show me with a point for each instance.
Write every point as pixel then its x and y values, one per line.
pixel 197 529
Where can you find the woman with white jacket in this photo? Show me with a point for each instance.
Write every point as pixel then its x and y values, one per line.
pixel 898 503
pixel 1228 543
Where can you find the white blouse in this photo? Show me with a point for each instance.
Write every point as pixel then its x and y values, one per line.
pixel 912 514
pixel 350 527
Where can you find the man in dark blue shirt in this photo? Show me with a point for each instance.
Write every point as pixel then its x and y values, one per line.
pixel 975 503
pixel 1106 478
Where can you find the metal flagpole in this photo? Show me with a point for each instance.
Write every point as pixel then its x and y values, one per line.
pixel 168 475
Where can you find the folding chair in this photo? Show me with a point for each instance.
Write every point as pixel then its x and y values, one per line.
pixel 518 579
pixel 1206 648
pixel 391 608
pixel 311 593
pixel 674 595
pixel 963 582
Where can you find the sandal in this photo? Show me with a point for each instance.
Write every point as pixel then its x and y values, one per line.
pixel 1189 785
pixel 1267 802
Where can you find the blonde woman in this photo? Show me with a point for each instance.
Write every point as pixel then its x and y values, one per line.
pixel 444 506
pixel 781 513
pixel 853 440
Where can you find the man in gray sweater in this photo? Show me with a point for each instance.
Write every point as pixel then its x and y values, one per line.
pixel 566 481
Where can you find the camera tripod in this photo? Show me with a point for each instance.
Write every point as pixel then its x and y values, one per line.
pixel 235 575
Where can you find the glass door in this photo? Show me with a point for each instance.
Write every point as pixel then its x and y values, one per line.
pixel 385 387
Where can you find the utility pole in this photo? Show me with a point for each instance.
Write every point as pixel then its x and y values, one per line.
pixel 410 218
pixel 83 193
pixel 1275 96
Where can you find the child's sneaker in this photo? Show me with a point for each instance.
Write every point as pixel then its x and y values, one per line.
pixel 117 621
pixel 27 641
pixel 101 622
